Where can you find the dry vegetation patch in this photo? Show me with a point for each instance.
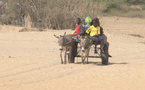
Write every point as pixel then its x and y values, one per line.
pixel 30 29
pixel 61 14
pixel 136 35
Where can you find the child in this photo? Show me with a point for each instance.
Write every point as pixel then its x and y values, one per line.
pixel 87 21
pixel 80 30
pixel 95 33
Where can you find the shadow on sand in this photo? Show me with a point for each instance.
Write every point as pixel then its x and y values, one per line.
pixel 100 64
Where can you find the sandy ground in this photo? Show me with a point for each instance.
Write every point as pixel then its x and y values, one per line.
pixel 30 60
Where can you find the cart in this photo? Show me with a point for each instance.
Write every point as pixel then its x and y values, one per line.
pixel 74 51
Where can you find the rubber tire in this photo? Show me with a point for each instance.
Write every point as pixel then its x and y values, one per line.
pixel 73 53
pixel 104 58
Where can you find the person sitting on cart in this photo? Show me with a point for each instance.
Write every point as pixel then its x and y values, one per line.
pixel 80 30
pixel 86 22
pixel 106 43
pixel 95 33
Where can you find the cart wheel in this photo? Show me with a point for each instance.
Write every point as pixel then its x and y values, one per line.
pixel 73 53
pixel 104 58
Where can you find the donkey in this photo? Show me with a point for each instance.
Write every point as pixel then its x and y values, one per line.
pixel 85 47
pixel 65 43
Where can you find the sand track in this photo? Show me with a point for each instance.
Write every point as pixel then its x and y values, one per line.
pixel 30 60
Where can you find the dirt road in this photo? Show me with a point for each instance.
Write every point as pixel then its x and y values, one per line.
pixel 30 60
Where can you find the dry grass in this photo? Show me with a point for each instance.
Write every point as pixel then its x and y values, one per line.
pixel 61 14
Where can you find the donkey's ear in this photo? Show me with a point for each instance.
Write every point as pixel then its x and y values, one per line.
pixel 64 34
pixel 56 36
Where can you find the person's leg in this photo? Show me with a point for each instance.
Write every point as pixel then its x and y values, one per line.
pixel 105 38
pixel 107 48
pixel 95 39
pixel 106 45
pixel 101 39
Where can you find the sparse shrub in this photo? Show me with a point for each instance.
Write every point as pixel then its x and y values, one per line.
pixel 116 5
pixel 61 14
pixel 135 2
pixel 135 14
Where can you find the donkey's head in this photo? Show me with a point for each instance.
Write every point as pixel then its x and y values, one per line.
pixel 85 43
pixel 61 41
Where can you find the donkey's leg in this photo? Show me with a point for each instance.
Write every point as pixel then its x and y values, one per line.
pixel 82 56
pixel 65 55
pixel 88 54
pixel 65 58
pixel 69 54
pixel 85 56
pixel 61 57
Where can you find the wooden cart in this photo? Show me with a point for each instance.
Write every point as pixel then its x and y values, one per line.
pixel 71 57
